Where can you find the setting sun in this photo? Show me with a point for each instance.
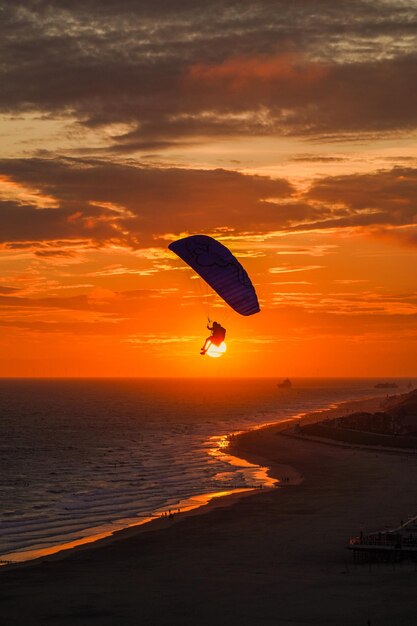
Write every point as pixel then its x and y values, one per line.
pixel 216 351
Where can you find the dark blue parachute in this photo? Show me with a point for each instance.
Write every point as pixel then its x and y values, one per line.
pixel 220 269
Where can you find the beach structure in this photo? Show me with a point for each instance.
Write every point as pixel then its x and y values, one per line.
pixel 389 546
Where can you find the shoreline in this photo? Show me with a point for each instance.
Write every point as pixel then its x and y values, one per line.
pixel 241 560
pixel 273 474
pixel 200 503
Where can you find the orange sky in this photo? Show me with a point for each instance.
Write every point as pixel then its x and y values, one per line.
pixel 277 132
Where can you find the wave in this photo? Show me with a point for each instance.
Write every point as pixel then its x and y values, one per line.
pixel 68 467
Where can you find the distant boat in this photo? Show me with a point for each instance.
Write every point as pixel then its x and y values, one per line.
pixel 286 384
pixel 386 386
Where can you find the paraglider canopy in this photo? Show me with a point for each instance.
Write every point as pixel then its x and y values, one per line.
pixel 220 269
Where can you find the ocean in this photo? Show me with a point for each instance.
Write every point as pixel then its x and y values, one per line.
pixel 85 457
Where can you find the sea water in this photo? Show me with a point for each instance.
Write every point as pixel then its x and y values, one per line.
pixel 79 457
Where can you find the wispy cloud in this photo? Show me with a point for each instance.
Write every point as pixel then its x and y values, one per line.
pixel 289 269
pixel 160 339
pixel 364 303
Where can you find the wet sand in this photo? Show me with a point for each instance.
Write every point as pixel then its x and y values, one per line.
pixel 277 557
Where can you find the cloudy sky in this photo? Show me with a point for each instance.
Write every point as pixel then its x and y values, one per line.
pixel 286 129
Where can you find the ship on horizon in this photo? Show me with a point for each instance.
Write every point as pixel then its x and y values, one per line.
pixel 285 384
pixel 386 386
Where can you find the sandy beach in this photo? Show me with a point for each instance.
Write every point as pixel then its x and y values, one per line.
pixel 277 557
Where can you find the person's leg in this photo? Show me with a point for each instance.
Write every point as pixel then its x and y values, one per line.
pixel 206 345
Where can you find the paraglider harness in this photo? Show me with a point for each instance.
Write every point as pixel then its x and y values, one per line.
pixel 218 333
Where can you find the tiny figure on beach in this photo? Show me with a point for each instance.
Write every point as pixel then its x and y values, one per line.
pixel 218 334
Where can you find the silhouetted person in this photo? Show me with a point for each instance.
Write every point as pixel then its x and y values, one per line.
pixel 218 333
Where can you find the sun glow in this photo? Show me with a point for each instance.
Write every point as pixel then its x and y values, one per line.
pixel 216 351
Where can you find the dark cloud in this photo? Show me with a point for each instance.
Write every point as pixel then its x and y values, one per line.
pixel 138 206
pixel 101 202
pixel 384 197
pixel 312 158
pixel 405 236
pixel 180 71
pixel 382 204
pixel 30 224
pixel 54 253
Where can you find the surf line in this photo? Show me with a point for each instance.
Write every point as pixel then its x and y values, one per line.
pixel 158 518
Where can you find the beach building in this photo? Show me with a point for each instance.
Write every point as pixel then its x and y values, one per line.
pixel 393 546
